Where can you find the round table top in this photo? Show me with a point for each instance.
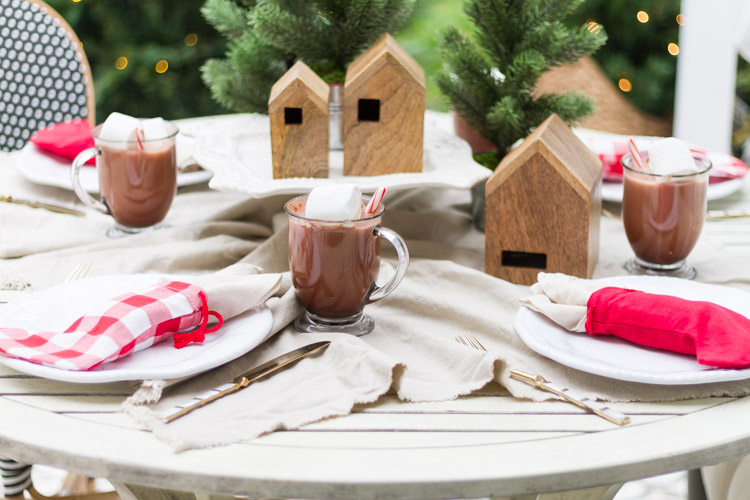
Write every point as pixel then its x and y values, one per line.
pixel 485 444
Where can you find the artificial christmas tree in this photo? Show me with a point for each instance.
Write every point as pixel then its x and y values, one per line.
pixel 268 36
pixel 489 78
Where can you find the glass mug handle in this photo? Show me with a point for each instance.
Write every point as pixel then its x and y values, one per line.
pixel 84 196
pixel 380 292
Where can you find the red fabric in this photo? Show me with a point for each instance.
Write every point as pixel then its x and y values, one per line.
pixel 117 327
pixel 717 336
pixel 610 148
pixel 65 139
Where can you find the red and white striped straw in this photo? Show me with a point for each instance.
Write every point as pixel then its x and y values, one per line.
pixel 636 154
pixel 376 200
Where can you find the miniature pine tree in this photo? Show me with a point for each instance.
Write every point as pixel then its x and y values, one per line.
pixel 267 36
pixel 489 79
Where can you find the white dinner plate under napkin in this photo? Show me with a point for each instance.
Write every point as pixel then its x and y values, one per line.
pixel 616 358
pixel 162 361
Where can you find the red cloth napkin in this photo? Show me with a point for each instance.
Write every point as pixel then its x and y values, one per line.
pixel 65 139
pixel 116 328
pixel 610 148
pixel 717 336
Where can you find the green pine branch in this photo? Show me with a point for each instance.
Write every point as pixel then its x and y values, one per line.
pixel 489 78
pixel 268 36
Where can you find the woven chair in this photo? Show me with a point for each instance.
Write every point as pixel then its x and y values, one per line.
pixel 44 74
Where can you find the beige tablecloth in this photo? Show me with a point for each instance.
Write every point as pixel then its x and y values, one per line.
pixel 412 350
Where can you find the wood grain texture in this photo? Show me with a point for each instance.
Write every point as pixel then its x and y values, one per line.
pixel 544 198
pixel 394 143
pixel 300 149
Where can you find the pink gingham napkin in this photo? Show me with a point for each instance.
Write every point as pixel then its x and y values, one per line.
pixel 610 148
pixel 116 327
pixel 72 327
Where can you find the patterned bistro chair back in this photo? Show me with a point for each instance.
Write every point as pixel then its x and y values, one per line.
pixel 44 74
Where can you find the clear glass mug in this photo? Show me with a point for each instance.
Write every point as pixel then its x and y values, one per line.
pixel 137 180
pixel 663 217
pixel 334 265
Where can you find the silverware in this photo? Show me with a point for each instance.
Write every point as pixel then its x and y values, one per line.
pixel 726 214
pixel 46 206
pixel 585 402
pixel 81 271
pixel 540 382
pixel 242 381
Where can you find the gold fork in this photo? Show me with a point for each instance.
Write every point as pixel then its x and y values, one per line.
pixel 540 382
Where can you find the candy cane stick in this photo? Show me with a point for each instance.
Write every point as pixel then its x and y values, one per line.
pixel 376 200
pixel 636 155
pixel 140 137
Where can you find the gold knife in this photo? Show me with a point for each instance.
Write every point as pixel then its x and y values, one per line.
pixel 242 381
pixel 46 206
pixel 603 411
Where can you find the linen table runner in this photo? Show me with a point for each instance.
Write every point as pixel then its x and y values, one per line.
pixel 411 352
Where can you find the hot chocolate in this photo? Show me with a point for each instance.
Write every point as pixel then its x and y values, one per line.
pixel 334 265
pixel 663 218
pixel 138 185
pixel 137 168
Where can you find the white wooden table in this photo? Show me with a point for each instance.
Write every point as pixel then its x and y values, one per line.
pixel 485 445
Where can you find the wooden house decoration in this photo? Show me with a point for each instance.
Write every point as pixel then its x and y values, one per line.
pixel 384 106
pixel 543 204
pixel 298 108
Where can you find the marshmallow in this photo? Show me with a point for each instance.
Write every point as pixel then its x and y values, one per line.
pixel 154 128
pixel 671 156
pixel 119 128
pixel 337 202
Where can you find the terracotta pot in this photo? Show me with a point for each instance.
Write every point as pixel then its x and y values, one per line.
pixel 463 130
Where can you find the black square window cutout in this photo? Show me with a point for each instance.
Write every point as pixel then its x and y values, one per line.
pixel 369 110
pixel 524 259
pixel 292 116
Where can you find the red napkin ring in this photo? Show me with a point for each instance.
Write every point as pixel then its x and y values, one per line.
pixel 717 336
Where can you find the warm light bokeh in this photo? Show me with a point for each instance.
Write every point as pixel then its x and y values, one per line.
pixel 593 26
pixel 673 49
pixel 625 85
pixel 681 19
pixel 121 62
pixel 191 39
pixel 642 16
pixel 162 66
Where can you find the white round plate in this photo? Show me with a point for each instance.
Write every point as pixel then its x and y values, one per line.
pixel 162 361
pixel 612 191
pixel 237 149
pixel 619 359
pixel 48 169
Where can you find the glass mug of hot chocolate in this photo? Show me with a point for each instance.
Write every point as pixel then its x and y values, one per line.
pixel 663 208
pixel 334 258
pixel 137 170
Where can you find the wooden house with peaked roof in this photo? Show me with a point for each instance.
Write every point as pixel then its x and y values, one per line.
pixel 543 204
pixel 384 106
pixel 298 109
